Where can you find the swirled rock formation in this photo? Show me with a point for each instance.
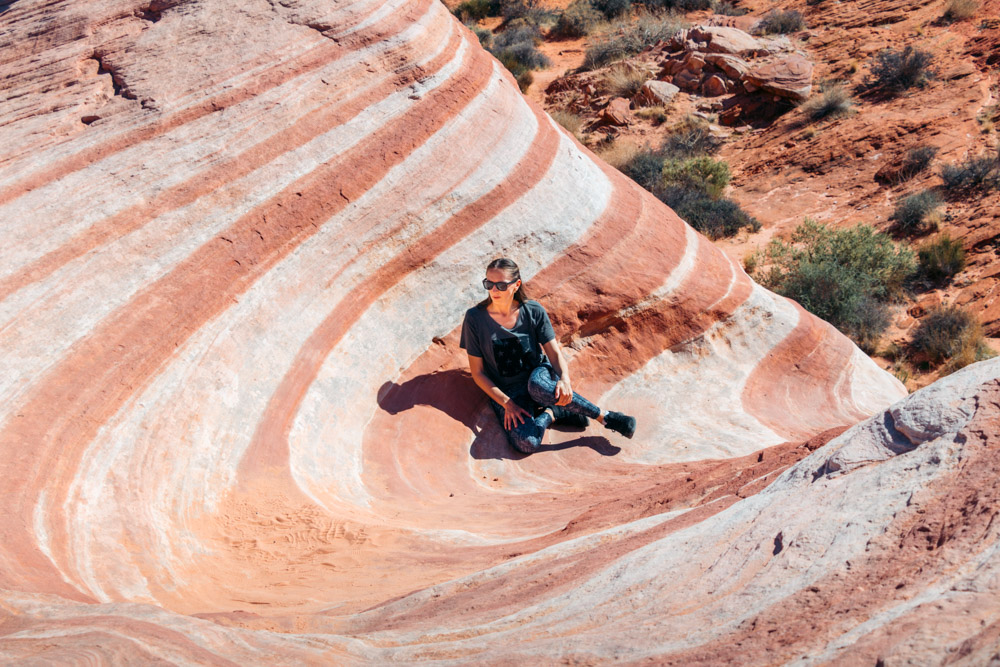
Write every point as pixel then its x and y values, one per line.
pixel 236 426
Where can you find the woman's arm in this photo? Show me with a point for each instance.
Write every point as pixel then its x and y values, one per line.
pixel 514 414
pixel 564 389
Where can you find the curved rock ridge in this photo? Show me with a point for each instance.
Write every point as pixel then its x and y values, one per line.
pixel 239 242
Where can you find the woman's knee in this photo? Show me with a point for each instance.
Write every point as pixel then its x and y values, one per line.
pixel 542 386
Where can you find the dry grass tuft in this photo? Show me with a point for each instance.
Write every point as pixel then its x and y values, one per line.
pixel 959 10
pixel 624 80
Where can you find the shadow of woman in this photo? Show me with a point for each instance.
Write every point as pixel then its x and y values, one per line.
pixel 454 393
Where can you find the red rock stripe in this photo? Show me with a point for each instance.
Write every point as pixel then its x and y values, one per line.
pixel 66 407
pixel 317 122
pixel 269 448
pixel 119 630
pixel 792 384
pixel 313 59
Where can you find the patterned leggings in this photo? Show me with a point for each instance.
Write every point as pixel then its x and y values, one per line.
pixel 538 395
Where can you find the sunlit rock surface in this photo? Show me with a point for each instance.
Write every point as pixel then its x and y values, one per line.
pixel 235 422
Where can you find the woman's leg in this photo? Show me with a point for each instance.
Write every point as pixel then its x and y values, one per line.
pixel 542 388
pixel 527 436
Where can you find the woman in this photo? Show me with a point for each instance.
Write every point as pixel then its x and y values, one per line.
pixel 515 358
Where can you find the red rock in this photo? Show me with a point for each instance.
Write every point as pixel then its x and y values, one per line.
pixel 720 39
pixel 714 86
pixel 617 112
pixel 733 67
pixel 789 77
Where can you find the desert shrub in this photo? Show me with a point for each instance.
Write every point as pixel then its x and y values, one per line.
pixel 476 10
pixel 915 161
pixel 516 50
pixel 953 335
pixel 914 212
pixel 833 100
pixel 727 8
pixel 715 218
pixel 941 259
pixel 846 277
pixel 577 20
pixel 703 174
pixel 780 22
pixel 677 5
pixel 896 71
pixel 516 9
pixel 645 167
pixel 569 120
pixel 982 172
pixel 624 80
pixel 959 10
pixel 689 138
pixel 613 8
pixel 626 37
pixel 524 80
pixel 657 114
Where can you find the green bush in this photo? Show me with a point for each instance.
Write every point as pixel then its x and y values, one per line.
pixel 516 50
pixel 896 71
pixel 780 22
pixel 626 37
pixel 914 212
pixel 976 173
pixel 476 10
pixel 843 276
pixel 941 259
pixel 701 173
pixel 833 100
pixel 951 334
pixel 577 20
pixel 915 161
pixel 613 8
pixel 645 168
pixel 715 218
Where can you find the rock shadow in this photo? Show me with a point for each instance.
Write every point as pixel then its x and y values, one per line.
pixel 455 394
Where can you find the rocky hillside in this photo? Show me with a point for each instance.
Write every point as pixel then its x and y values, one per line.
pixel 236 425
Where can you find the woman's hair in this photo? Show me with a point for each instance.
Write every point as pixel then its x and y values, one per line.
pixel 509 267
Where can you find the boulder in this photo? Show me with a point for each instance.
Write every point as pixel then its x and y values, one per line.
pixel 714 86
pixel 789 77
pixel 733 67
pixel 720 39
pixel 656 93
pixel 617 112
pixel 687 81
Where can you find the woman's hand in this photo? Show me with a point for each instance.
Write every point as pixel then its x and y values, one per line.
pixel 564 392
pixel 514 415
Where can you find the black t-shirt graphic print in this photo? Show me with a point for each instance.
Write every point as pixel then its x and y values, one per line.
pixel 509 355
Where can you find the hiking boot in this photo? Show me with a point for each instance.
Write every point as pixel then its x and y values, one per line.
pixel 620 423
pixel 571 419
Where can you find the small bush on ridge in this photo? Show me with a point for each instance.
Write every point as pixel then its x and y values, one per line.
pixel 516 50
pixel 645 168
pixel 913 213
pixel 624 80
pixel 896 71
pixel 833 100
pixel 689 138
pixel 725 8
pixel 959 10
pixel 941 259
pixel 626 37
pixel 915 161
pixel 780 22
pixel 612 9
pixel 982 172
pixel 577 20
pixel 951 334
pixel 476 10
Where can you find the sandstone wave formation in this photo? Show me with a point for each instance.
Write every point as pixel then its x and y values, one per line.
pixel 236 427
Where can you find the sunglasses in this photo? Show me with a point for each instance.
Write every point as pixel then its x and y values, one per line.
pixel 500 285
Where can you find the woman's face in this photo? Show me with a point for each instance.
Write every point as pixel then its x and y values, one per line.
pixel 496 296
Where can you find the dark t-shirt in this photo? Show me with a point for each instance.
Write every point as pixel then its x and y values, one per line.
pixel 509 355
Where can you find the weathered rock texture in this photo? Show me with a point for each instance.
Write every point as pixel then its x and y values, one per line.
pixel 235 423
